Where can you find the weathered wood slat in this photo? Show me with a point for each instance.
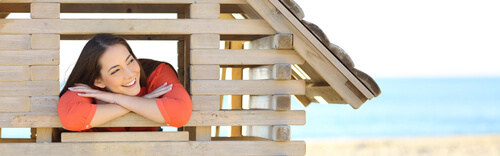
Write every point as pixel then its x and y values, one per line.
pixel 14 42
pixel 198 118
pixel 123 136
pixel 44 73
pixel 45 41
pixel 44 134
pixel 247 87
pixel 14 73
pixel 245 57
pixel 132 1
pixel 44 103
pixel 278 41
pixel 205 102
pixel 14 104
pixel 29 57
pixel 275 132
pixel 45 10
pixel 205 72
pixel 29 88
pixel 205 41
pixel 270 102
pixel 174 26
pixel 205 10
pixel 271 72
pixel 158 148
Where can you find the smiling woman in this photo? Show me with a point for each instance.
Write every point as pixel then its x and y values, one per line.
pixel 108 81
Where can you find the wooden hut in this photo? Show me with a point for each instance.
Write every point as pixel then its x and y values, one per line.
pixel 286 56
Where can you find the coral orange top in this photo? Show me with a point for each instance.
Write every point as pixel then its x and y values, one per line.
pixel 76 112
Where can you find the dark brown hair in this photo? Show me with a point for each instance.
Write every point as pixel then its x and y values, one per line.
pixel 87 67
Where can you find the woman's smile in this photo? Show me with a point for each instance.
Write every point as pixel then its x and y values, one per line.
pixel 130 84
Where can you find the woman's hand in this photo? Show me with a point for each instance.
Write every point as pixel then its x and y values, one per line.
pixel 86 91
pixel 159 91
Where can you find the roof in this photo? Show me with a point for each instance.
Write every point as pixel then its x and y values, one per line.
pixel 358 82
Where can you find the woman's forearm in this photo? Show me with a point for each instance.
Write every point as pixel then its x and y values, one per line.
pixel 146 107
pixel 107 112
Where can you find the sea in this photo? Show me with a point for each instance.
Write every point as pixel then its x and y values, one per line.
pixel 410 107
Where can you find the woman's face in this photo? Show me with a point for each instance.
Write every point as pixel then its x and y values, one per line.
pixel 120 72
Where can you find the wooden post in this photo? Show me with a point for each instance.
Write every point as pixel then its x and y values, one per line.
pixel 45 42
pixel 202 41
pixel 237 74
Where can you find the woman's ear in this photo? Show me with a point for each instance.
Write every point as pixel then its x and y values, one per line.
pixel 98 83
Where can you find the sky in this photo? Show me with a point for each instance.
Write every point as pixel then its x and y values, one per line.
pixel 403 38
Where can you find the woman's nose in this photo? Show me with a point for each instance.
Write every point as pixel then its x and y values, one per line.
pixel 128 73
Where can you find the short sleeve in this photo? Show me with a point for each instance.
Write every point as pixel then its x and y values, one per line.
pixel 75 112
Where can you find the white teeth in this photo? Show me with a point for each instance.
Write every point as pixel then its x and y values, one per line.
pixel 129 84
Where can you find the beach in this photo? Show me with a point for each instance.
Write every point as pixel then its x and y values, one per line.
pixel 460 145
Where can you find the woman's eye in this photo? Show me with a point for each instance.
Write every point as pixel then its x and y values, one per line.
pixel 131 60
pixel 115 71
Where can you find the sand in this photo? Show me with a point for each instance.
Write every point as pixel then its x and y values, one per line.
pixel 473 145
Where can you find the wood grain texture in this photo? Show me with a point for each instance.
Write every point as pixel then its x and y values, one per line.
pixel 205 10
pixel 132 1
pixel 245 57
pixel 45 10
pixel 205 72
pixel 44 73
pixel 44 103
pixel 279 41
pixel 123 136
pixel 44 135
pixel 29 57
pixel 14 73
pixel 117 26
pixel 29 88
pixel 198 118
pixel 14 42
pixel 45 41
pixel 205 102
pixel 205 41
pixel 247 87
pixel 14 104
pixel 159 148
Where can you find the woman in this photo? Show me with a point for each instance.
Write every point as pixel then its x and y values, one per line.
pixel 108 81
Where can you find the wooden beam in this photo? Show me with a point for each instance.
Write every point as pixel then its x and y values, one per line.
pixel 247 87
pixel 132 1
pixel 14 73
pixel 45 41
pixel 45 10
pixel 43 135
pixel 276 133
pixel 271 72
pixel 240 138
pixel 17 141
pixel 14 104
pixel 44 73
pixel 245 57
pixel 205 72
pixel 205 10
pixel 155 148
pixel 326 92
pixel 29 57
pixel 123 136
pixel 198 118
pixel 14 8
pixel 122 8
pixel 14 42
pixel 270 102
pixel 278 41
pixel 44 103
pixel 29 88
pixel 116 26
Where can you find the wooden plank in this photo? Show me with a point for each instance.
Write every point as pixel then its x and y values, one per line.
pixel 271 72
pixel 132 1
pixel 17 140
pixel 205 10
pixel 198 118
pixel 44 103
pixel 278 41
pixel 159 148
pixel 246 57
pixel 249 12
pixel 44 73
pixel 236 100
pixel 45 41
pixel 203 133
pixel 326 92
pixel 14 104
pixel 4 15
pixel 278 133
pixel 180 61
pixel 117 26
pixel 303 100
pixel 29 88
pixel 205 102
pixel 43 135
pixel 205 72
pixel 45 10
pixel 325 52
pixel 247 87
pixel 14 7
pixel 240 138
pixel 205 41
pixel 123 136
pixel 122 8
pixel 29 57
pixel 270 102
pixel 14 42
pixel 14 73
